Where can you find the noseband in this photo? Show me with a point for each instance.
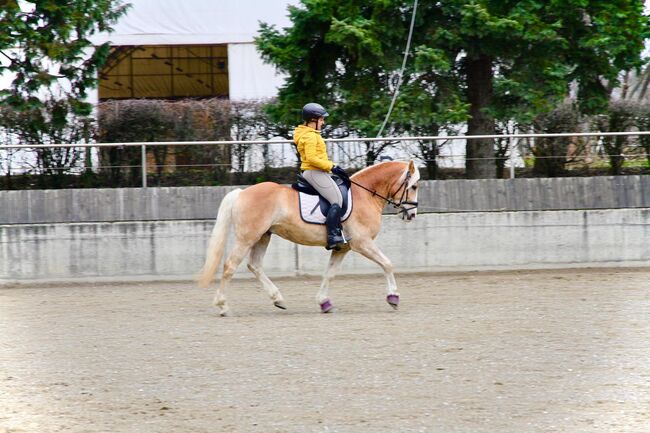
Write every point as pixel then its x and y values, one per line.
pixel 390 200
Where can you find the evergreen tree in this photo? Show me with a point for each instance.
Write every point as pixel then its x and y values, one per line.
pixel 45 45
pixel 472 61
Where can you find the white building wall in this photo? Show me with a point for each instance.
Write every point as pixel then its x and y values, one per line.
pixel 249 77
pixel 232 22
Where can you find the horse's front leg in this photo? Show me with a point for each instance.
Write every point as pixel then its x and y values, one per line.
pixel 332 267
pixel 368 248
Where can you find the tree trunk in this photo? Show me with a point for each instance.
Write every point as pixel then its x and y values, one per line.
pixel 88 160
pixel 371 156
pixel 646 147
pixel 431 161
pixel 429 151
pixel 501 149
pixel 616 158
pixel 480 152
pixel 8 183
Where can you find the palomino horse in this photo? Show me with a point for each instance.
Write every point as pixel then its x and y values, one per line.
pixel 261 210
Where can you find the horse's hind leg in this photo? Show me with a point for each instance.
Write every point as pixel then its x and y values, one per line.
pixel 255 266
pixel 238 253
pixel 322 296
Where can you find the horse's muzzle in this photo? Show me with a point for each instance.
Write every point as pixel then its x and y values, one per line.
pixel 406 216
pixel 408 213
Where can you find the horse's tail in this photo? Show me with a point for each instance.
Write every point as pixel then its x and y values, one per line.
pixel 218 239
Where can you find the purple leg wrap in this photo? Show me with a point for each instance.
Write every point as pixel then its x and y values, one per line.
pixel 393 300
pixel 326 306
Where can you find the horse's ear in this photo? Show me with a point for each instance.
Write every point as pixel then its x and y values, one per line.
pixel 412 167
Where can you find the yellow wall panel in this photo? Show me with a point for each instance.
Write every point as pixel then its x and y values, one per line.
pixel 165 72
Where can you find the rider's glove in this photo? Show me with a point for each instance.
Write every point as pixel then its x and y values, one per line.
pixel 341 173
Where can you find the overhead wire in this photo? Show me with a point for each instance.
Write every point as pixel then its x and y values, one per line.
pixel 401 72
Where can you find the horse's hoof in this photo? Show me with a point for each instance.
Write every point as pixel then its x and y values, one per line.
pixel 280 304
pixel 326 306
pixel 393 301
pixel 225 313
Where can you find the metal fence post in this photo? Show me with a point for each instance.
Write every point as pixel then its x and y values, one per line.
pixel 512 157
pixel 144 166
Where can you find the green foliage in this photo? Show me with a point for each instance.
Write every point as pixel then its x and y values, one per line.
pixel 44 44
pixel 346 54
pixel 149 120
pixel 620 116
pixel 52 122
pixel 551 153
pixel 643 124
pixel 186 120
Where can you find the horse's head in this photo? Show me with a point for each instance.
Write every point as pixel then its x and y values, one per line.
pixel 394 183
pixel 406 196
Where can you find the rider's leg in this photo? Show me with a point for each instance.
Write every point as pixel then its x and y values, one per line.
pixel 326 186
pixel 335 238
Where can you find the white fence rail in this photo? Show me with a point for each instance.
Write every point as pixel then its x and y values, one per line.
pixel 513 156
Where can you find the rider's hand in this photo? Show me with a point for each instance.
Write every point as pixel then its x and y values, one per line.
pixel 341 173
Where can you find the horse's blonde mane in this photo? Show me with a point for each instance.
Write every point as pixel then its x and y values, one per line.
pixel 382 173
pixel 369 171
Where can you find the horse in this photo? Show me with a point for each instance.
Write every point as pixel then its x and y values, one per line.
pixel 265 209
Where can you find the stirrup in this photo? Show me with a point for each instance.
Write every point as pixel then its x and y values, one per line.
pixel 336 246
pixel 339 243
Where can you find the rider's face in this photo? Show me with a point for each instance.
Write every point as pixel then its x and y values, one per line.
pixel 320 122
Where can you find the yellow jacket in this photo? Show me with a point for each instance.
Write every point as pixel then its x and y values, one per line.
pixel 311 146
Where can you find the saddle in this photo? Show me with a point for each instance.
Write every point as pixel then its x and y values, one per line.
pixel 313 207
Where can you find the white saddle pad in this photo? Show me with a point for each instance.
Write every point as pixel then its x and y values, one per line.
pixel 310 208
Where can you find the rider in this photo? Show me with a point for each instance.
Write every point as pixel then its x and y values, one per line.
pixel 316 167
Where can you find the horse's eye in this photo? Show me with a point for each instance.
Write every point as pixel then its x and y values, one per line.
pixel 414 187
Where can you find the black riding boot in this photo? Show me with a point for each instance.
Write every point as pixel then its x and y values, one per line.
pixel 335 238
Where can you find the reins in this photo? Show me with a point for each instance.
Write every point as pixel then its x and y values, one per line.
pixel 400 204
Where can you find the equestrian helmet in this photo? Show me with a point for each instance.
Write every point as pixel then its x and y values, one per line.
pixel 313 111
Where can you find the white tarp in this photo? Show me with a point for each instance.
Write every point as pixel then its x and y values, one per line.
pixel 248 76
pixel 170 22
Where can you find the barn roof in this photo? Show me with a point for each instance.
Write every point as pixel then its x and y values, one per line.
pixel 173 22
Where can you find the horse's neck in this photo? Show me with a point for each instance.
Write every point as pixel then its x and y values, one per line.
pixel 379 178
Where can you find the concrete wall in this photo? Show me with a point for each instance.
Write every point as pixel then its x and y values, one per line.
pixel 117 204
pixel 155 204
pixel 611 192
pixel 162 232
pixel 478 240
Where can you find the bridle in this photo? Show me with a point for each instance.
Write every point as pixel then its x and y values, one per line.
pixel 400 204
